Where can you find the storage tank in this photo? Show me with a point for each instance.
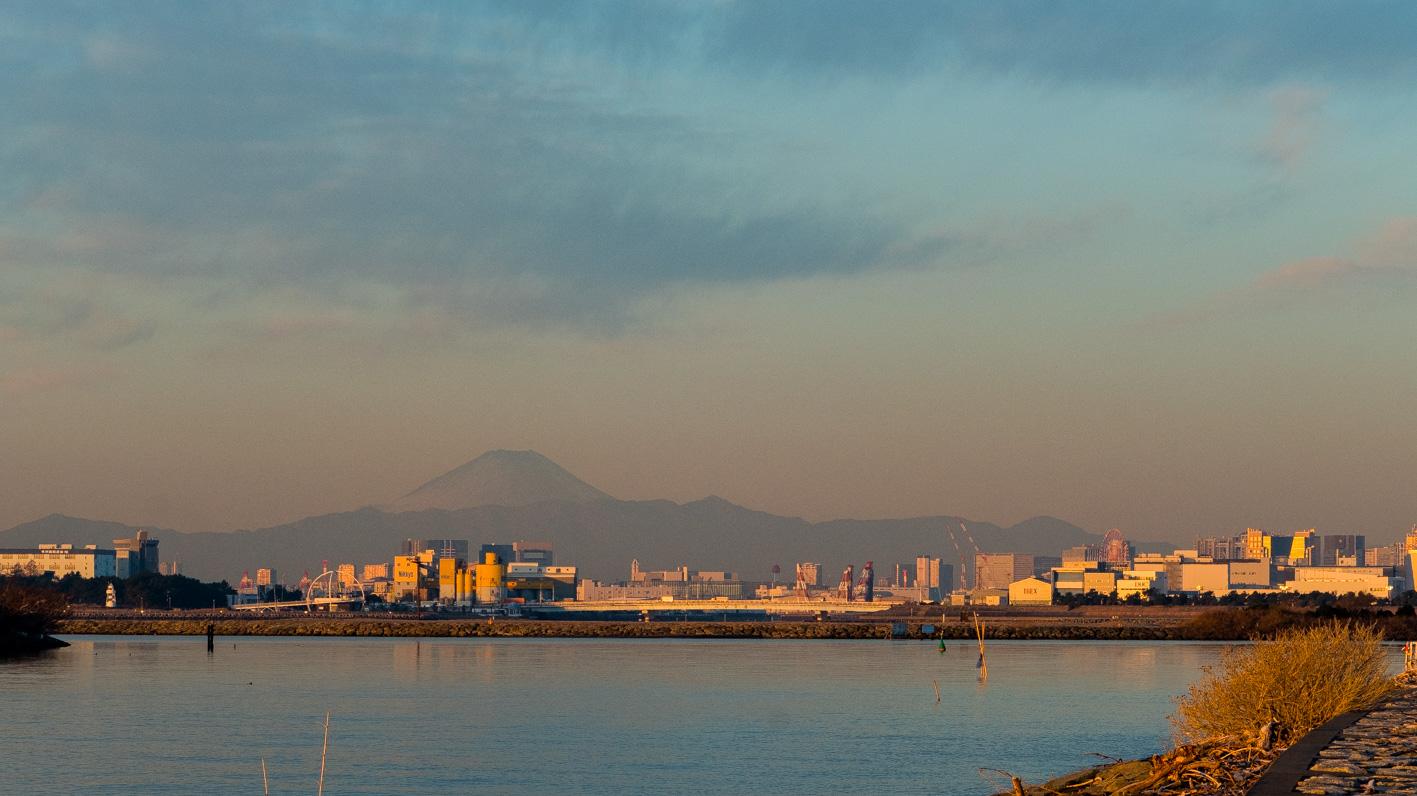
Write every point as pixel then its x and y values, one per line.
pixel 491 580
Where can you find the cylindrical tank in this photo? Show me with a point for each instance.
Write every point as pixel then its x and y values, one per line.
pixel 491 581
pixel 462 585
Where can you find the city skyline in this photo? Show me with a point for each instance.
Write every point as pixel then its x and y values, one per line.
pixel 1147 268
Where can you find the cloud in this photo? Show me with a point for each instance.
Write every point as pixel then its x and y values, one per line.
pixel 1387 258
pixel 272 149
pixel 1112 41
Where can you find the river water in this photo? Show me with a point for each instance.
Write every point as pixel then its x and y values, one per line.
pixel 134 714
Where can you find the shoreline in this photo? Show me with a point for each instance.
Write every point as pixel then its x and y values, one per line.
pixel 1095 623
pixel 950 630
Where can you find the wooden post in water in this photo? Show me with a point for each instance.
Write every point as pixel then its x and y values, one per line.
pixel 324 749
pixel 979 631
pixel 265 783
pixel 211 637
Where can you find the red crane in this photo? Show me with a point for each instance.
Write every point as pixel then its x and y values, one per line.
pixel 844 591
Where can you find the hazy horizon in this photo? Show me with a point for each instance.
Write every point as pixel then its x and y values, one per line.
pixel 1138 266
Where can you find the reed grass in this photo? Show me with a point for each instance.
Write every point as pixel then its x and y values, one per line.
pixel 1298 679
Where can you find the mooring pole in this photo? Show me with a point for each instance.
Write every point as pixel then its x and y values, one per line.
pixel 211 637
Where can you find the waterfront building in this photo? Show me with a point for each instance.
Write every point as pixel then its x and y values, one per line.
pixel 61 559
pixel 1100 581
pixel 411 575
pixel 1198 577
pixel 1247 575
pixel 1068 578
pixel 491 580
pixel 374 571
pixel 1031 591
pixel 1141 583
pixel 998 570
pixel 135 555
pixel 1377 581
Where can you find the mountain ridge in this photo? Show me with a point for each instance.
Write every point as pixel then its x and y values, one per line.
pixel 499 478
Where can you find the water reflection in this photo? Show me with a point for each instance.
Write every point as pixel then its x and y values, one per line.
pixel 612 716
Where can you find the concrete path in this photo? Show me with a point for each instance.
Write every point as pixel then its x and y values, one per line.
pixel 1373 752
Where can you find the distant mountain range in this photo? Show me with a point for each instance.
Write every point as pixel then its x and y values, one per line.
pixel 505 496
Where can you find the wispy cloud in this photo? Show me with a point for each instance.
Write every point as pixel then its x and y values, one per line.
pixel 1385 258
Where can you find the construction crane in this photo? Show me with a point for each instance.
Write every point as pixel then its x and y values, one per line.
pixel 963 571
pixel 970 539
pixel 844 591
pixel 963 562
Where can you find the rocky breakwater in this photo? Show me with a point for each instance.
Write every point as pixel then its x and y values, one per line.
pixel 950 628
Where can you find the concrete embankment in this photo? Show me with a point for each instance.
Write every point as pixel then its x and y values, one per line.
pixel 458 628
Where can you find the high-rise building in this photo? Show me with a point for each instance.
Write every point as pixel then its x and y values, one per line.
pixel 998 570
pixel 265 577
pixel 1221 548
pixel 442 548
pixel 811 573
pixel 372 571
pixel 1392 555
pixel 345 573
pixel 1340 550
pixel 135 555
pixel 1083 552
pixel 1257 544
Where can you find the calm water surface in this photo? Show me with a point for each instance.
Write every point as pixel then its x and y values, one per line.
pixel 127 714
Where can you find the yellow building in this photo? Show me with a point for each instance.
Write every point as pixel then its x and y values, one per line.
pixel 1031 591
pixel 411 575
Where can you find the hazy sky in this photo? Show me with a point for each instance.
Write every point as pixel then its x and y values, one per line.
pixel 1145 265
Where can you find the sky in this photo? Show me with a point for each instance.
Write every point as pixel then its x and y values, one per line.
pixel 1146 266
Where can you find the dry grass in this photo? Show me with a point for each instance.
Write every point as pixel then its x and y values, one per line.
pixel 1299 679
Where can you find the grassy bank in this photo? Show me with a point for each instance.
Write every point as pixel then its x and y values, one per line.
pixel 1244 711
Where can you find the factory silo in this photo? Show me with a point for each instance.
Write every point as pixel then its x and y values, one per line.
pixel 491 580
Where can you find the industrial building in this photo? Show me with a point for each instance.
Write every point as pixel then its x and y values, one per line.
pixel 1377 581
pixel 60 559
pixel 1031 591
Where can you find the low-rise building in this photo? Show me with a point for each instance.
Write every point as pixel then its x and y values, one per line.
pixel 1377 581
pixel 1199 577
pixel 61 559
pixel 1141 583
pixel 1031 591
